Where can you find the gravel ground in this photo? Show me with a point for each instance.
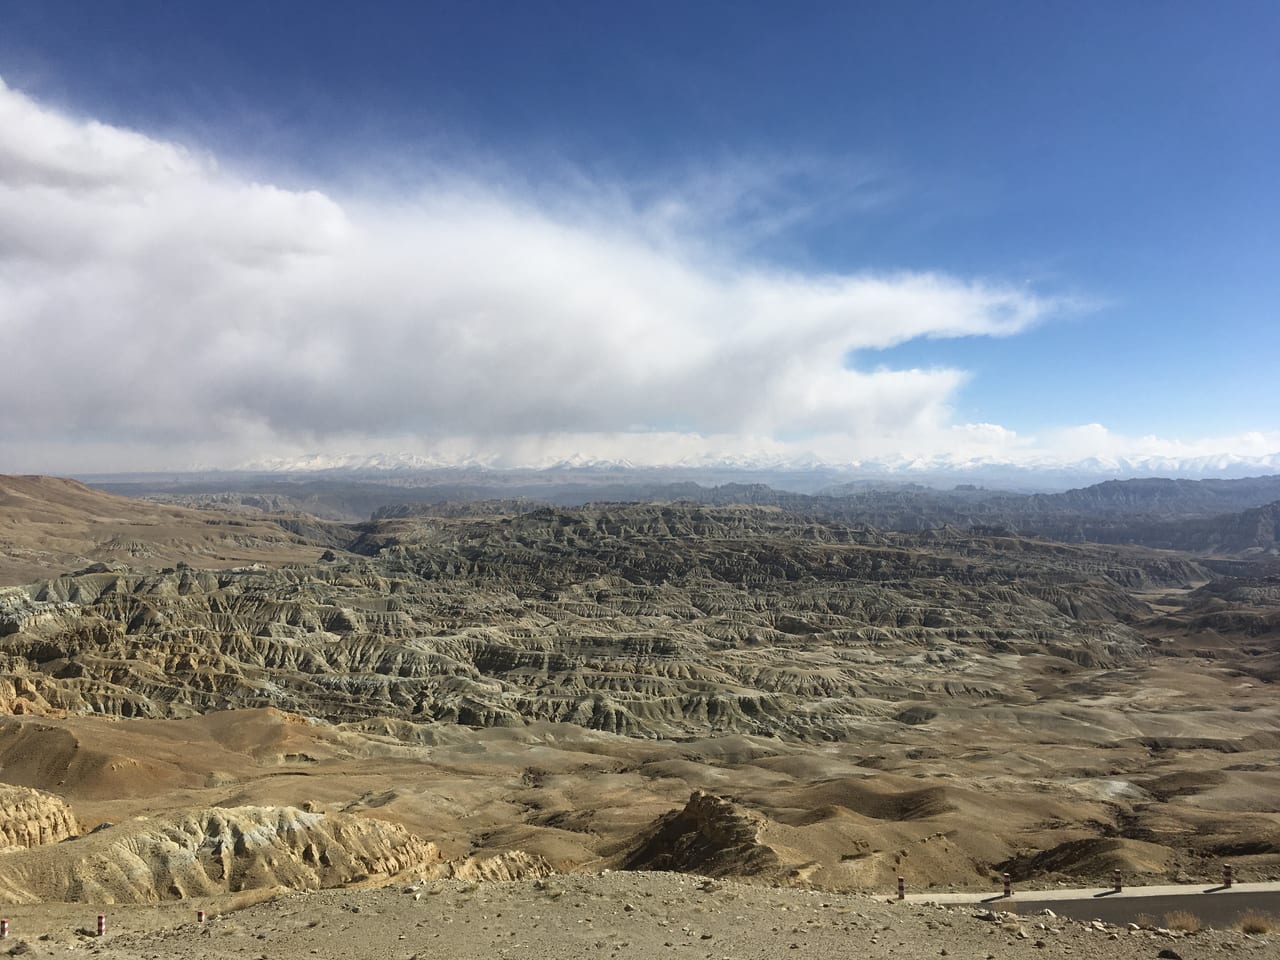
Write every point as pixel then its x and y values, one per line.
pixel 618 915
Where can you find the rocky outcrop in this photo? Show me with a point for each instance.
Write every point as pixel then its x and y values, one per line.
pixel 214 851
pixel 20 694
pixel 711 836
pixel 31 818
pixel 513 865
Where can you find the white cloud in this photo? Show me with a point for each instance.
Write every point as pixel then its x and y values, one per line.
pixel 158 310
pixel 155 299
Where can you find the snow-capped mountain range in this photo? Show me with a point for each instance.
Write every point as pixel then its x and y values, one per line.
pixel 1091 469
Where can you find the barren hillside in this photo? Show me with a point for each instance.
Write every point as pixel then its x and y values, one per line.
pixel 730 690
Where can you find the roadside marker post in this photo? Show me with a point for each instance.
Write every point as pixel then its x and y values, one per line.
pixel 1226 875
pixel 199 916
pixel 102 924
pixel 1008 885
pixel 902 888
pixel 4 929
pixel 1115 881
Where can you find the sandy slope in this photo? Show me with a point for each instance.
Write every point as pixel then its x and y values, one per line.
pixel 848 816
pixel 49 525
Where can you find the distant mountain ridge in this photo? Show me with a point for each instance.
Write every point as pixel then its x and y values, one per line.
pixel 1205 516
pixel 957 468
pixel 1176 496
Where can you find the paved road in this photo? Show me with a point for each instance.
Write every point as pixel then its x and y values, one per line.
pixel 1214 905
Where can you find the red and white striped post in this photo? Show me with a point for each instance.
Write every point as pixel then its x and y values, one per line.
pixel 1115 881
pixel 102 924
pixel 4 929
pixel 1008 885
pixel 902 888
pixel 1226 874
pixel 199 916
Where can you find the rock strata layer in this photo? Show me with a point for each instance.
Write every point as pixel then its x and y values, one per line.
pixel 646 621
pixel 214 851
pixel 31 818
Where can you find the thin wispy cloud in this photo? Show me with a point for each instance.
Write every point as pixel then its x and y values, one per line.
pixel 160 309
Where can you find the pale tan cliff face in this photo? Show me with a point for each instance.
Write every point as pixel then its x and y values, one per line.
pixel 30 818
pixel 210 852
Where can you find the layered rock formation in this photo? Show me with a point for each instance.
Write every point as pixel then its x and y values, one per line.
pixel 31 818
pixel 846 705
pixel 216 851
pixel 644 621
pixel 502 867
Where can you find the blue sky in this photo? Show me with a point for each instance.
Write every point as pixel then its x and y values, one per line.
pixel 1113 162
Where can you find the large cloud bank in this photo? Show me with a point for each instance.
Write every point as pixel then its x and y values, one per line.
pixel 159 310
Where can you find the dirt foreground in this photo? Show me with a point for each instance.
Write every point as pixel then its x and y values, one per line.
pixel 611 915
